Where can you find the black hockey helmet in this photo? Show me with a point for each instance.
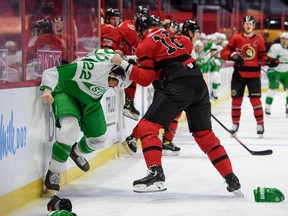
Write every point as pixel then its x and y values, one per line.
pixel 111 12
pixel 156 20
pixel 191 25
pixel 248 18
pixel 141 10
pixel 44 26
pixel 143 22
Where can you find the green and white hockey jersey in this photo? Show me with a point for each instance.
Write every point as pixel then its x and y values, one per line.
pixel 214 64
pixel 280 53
pixel 85 79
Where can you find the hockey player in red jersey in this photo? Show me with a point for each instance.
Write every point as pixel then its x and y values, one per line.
pixel 129 43
pixel 248 52
pixel 162 58
pixel 168 147
pixel 110 37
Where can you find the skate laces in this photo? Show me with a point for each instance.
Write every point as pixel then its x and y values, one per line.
pixel 81 160
pixel 260 127
pixel 132 140
pixel 54 178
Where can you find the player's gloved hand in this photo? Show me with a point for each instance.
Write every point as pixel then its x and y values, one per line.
pixel 272 62
pixel 132 61
pixel 236 58
pixel 56 203
pixel 263 194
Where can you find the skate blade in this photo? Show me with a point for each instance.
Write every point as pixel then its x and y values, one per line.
pixel 170 153
pixel 156 187
pixel 260 136
pixel 127 149
pixel 49 193
pixel 130 115
pixel 238 193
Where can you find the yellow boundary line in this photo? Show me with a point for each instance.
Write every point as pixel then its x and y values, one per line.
pixel 34 190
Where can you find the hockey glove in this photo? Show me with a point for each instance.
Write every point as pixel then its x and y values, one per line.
pixel 236 58
pixel 262 194
pixel 132 61
pixel 56 203
pixel 62 213
pixel 272 62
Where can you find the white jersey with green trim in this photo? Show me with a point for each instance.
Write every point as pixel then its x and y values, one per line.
pixel 279 52
pixel 90 74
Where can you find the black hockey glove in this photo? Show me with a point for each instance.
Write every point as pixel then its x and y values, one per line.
pixel 56 203
pixel 132 61
pixel 272 62
pixel 236 58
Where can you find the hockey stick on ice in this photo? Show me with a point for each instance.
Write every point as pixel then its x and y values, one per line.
pixel 264 152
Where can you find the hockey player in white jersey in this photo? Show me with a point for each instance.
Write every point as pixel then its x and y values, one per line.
pixel 278 75
pixel 75 90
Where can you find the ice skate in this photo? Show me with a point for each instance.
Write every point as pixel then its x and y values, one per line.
pixel 260 130
pixel 169 149
pixel 234 129
pixel 233 184
pixel 268 112
pixel 80 161
pixel 214 97
pixel 153 182
pixel 52 181
pixel 130 144
pixel 286 111
pixel 129 110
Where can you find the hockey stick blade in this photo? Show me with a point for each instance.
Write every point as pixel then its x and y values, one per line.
pixel 263 152
pixel 258 153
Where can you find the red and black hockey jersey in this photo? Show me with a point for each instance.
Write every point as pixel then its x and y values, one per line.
pixel 129 37
pixel 110 37
pixel 251 49
pixel 158 51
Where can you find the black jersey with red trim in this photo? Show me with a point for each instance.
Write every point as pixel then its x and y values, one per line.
pixel 251 49
pixel 159 50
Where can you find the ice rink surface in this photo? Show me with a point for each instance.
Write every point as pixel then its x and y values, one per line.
pixel 194 187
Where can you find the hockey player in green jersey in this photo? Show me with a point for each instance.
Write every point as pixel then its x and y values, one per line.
pixel 214 65
pixel 278 75
pixel 75 90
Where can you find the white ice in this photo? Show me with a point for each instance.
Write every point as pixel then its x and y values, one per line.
pixel 195 188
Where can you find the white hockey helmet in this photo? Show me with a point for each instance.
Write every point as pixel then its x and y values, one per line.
pixel 119 73
pixel 284 35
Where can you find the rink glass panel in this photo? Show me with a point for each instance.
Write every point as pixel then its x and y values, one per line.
pixel 39 34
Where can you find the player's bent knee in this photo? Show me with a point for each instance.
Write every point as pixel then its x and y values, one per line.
pixel 147 128
pixel 69 131
pixel 96 143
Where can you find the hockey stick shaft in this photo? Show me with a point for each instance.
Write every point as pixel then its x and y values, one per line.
pixel 264 152
pixel 194 10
